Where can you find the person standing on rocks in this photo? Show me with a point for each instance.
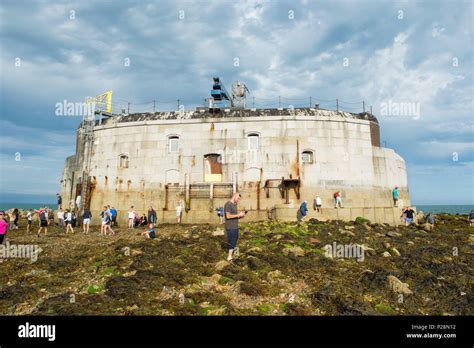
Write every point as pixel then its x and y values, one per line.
pixel 60 200
pixel 69 222
pixel 16 216
pixel 431 219
pixel 408 215
pixel 179 212
pixel 113 213
pixel 318 204
pixel 29 219
pixel 220 214
pixel 131 217
pixel 395 196
pixel 60 216
pixel 78 202
pixel 11 220
pixel 86 216
pixel 3 226
pixel 107 222
pixel 232 217
pixel 151 215
pixel 50 216
pixel 338 199
pixel 43 219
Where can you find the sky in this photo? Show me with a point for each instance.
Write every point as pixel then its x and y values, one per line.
pixel 390 54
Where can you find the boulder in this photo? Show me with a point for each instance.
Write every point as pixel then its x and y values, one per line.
pixel 397 286
pixel 368 250
pixel 361 220
pixel 394 252
pixel 386 245
pixel 254 250
pixel 426 227
pixel 420 217
pixel 386 254
pixel 221 265
pixel 218 232
pixel 348 233
pixel 393 234
pixel 296 251
pixel 274 275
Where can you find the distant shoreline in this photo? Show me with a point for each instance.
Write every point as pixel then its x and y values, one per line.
pixel 7 206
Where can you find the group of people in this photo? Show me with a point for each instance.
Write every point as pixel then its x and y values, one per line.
pixel 302 212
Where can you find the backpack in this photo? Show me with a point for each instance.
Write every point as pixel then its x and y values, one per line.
pixel 42 216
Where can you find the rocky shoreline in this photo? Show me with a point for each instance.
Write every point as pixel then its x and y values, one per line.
pixel 283 269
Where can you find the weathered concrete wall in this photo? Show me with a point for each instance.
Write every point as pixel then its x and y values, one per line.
pixel 344 159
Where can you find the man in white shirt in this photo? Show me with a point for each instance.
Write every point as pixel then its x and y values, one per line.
pixel 60 217
pixel 131 217
pixel 317 204
pixel 179 211
pixel 79 202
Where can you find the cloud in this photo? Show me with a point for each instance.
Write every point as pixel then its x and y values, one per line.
pixel 289 49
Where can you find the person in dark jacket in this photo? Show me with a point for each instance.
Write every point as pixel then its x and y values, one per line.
pixel 16 215
pixel 302 211
pixel 143 220
pixel 151 215
pixel 60 200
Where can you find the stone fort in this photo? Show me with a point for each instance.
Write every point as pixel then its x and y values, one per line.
pixel 276 158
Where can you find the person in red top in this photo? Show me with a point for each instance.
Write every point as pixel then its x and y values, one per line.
pixel 3 227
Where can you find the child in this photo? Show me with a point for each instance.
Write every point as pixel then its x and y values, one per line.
pixel 131 217
pixel 150 234
pixel 107 222
pixel 220 214
pixel 69 221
